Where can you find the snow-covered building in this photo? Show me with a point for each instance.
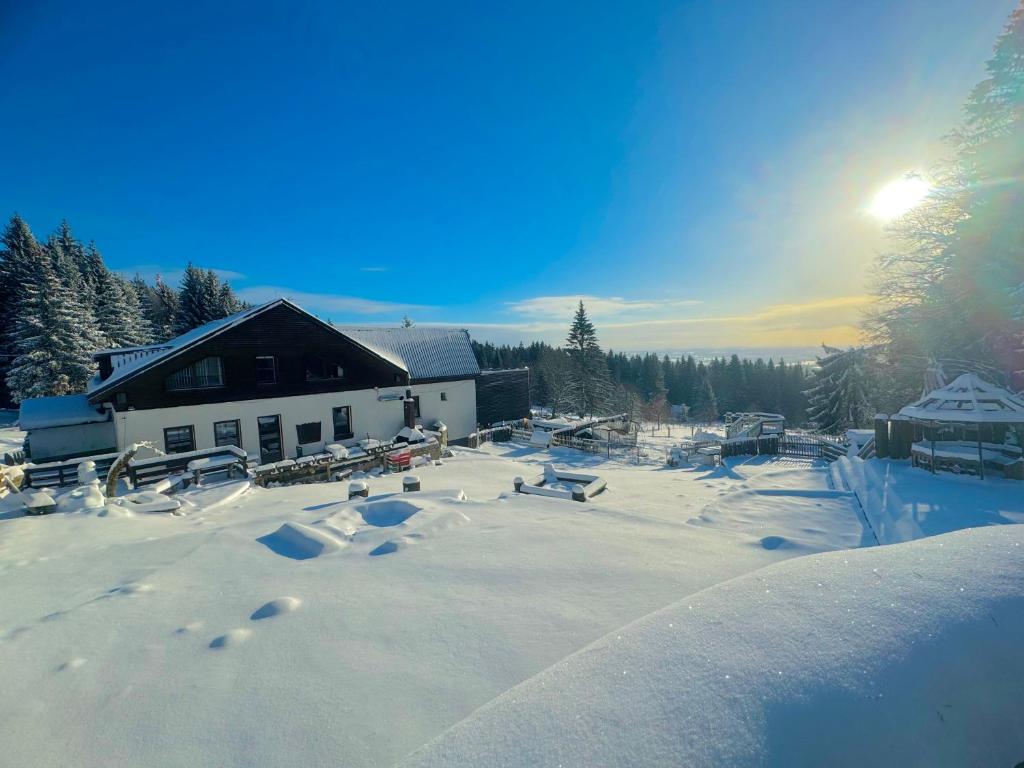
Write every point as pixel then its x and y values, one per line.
pixel 273 380
pixel 968 424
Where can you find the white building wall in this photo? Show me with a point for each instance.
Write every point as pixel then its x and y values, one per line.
pixel 458 412
pixel 380 419
pixel 71 440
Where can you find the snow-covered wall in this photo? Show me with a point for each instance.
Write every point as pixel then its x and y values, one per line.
pixel 903 502
pixel 380 419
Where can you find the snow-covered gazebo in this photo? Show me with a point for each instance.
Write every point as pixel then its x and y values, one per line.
pixel 968 406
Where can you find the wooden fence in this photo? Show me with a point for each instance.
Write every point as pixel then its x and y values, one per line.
pixel 811 447
pixel 58 474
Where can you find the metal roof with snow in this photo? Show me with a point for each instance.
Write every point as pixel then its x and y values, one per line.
pixel 968 399
pixel 426 352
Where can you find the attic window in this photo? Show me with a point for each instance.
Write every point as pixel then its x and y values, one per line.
pixel 319 369
pixel 207 373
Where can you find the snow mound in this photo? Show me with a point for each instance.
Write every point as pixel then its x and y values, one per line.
pixel 442 523
pixel 387 512
pixel 301 542
pixel 899 655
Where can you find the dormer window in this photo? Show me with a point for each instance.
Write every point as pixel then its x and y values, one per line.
pixel 320 369
pixel 207 373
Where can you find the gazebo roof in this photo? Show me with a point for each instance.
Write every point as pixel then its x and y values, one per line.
pixel 968 400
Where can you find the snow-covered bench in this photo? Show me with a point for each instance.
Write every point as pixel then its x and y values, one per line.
pixel 208 465
pixel 145 471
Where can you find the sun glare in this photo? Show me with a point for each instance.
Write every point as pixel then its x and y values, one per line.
pixel 897 197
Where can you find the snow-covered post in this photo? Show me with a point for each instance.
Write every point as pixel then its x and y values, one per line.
pixel 410 483
pixel 882 435
pixel 358 488
pixel 118 466
pixel 579 493
pixel 901 437
pixel 517 482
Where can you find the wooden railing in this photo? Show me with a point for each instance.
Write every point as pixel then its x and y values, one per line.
pixel 58 474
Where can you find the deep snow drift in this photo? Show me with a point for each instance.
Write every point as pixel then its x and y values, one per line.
pixel 906 655
pixel 286 626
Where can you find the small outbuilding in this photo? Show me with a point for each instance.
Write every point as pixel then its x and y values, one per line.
pixel 968 425
pixel 66 427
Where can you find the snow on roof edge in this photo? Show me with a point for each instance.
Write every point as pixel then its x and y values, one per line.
pixel 59 411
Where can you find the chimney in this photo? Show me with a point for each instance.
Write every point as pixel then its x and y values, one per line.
pixel 410 410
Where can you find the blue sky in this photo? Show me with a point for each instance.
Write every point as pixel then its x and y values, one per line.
pixel 698 170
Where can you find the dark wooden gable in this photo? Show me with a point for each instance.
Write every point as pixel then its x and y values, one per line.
pixel 290 337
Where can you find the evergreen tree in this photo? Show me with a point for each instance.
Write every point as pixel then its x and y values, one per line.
pixel 80 296
pixel 54 357
pixel 120 318
pixel 839 397
pixel 706 406
pixel 202 298
pixel 406 322
pixel 589 385
pixel 195 305
pixel 161 310
pixel 948 290
pixel 21 252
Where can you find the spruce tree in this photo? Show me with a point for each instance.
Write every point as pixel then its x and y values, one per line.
pixel 54 357
pixel 839 398
pixel 589 385
pixel 21 252
pixel 194 303
pixel 706 405
pixel 119 315
pixel 161 310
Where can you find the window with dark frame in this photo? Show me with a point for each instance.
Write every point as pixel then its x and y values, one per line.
pixel 227 433
pixel 444 397
pixel 266 369
pixel 308 433
pixel 207 373
pixel 179 439
pixel 319 369
pixel 342 422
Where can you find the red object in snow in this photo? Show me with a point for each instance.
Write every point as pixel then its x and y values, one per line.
pixel 400 460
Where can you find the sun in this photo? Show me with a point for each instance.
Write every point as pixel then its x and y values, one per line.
pixel 899 196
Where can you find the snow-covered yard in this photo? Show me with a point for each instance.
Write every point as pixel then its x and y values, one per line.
pixel 653 625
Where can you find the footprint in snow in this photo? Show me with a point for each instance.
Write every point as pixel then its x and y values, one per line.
pixel 276 608
pixel 228 639
pixel 74 663
pixel 192 626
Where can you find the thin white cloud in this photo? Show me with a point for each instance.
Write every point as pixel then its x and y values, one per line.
pixel 325 303
pixel 373 269
pixel 597 306
pixel 831 320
